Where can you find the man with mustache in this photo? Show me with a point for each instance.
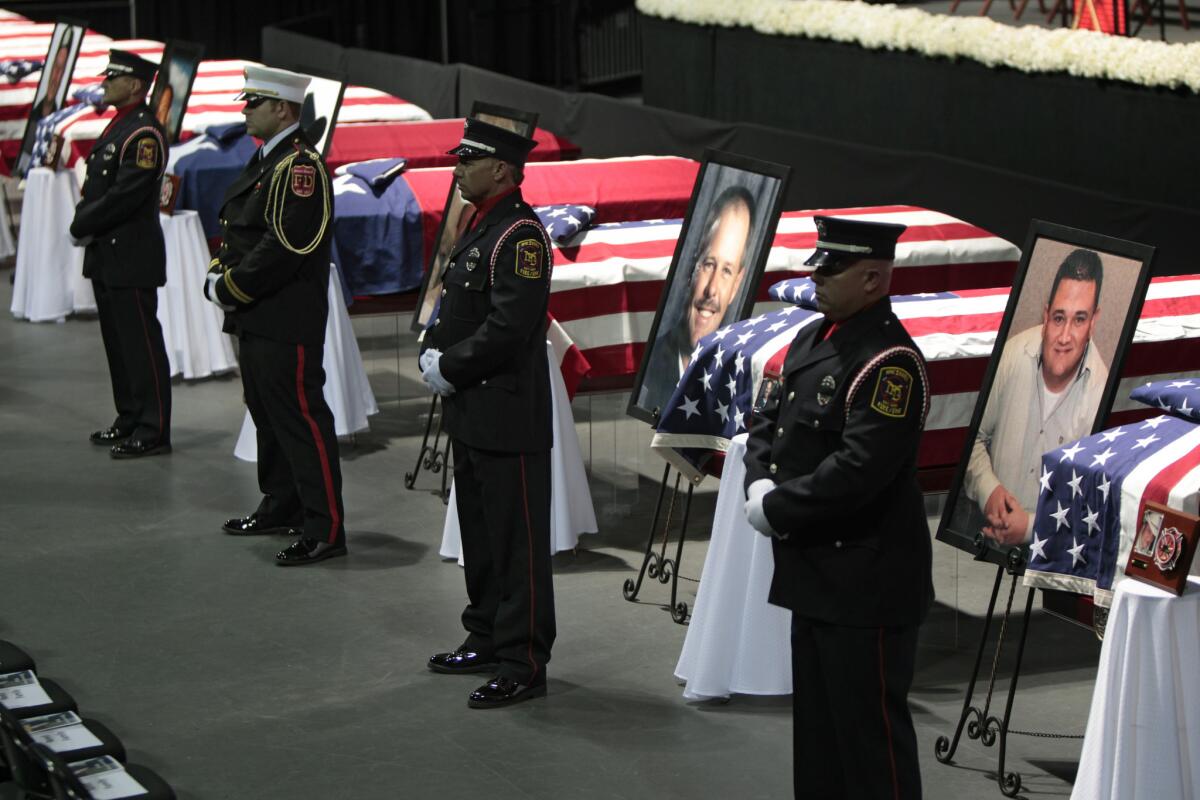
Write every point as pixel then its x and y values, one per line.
pixel 714 284
pixel 1045 394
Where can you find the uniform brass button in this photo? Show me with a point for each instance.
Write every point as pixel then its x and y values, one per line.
pixel 791 396
pixel 103 172
pixel 443 292
pixel 774 468
pixel 838 543
pixel 779 433
pixel 468 284
pixel 437 321
pixel 483 382
pixel 816 423
pixel 114 241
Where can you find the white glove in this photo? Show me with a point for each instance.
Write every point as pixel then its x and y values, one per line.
pixel 428 357
pixel 759 488
pixel 755 514
pixel 432 374
pixel 210 291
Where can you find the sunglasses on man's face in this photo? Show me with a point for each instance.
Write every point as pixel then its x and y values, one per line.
pixel 256 101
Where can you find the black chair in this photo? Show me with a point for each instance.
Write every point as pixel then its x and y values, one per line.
pixel 14 659
pixel 67 785
pixel 25 767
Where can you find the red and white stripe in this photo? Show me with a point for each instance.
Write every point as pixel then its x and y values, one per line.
pixel 956 337
pixel 607 282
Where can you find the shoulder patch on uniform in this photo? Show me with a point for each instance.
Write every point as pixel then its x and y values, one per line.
pixel 894 385
pixel 304 180
pixel 530 258
pixel 147 154
pixel 893 390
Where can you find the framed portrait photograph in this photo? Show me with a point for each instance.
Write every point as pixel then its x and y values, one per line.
pixel 53 85
pixel 715 270
pixel 318 113
pixel 454 216
pixel 173 85
pixel 1051 379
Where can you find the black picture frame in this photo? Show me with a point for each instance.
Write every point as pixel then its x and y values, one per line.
pixel 522 122
pixel 719 172
pixel 319 111
pixel 47 98
pixel 173 85
pixel 960 524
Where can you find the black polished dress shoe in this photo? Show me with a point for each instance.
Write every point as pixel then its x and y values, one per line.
pixel 135 449
pixel 255 524
pixel 109 436
pixel 501 691
pixel 461 662
pixel 308 551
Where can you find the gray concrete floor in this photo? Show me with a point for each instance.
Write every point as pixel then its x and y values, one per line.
pixel 236 679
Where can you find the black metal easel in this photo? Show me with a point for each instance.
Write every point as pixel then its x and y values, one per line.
pixel 656 564
pixel 433 457
pixel 981 724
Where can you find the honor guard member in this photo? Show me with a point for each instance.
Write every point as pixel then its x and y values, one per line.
pixel 271 276
pixel 486 355
pixel 831 476
pixel 117 221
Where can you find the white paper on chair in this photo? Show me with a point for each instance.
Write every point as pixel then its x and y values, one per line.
pixel 105 778
pixel 68 738
pixel 21 690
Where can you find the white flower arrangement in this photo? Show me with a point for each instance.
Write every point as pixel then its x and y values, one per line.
pixel 1083 53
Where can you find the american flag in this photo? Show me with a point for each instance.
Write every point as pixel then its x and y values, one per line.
pixel 85 99
pixel 13 69
pixel 607 282
pixel 956 332
pixel 1093 492
pixel 563 222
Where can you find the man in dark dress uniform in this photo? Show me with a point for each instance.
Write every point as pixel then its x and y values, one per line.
pixel 486 355
pixel 117 221
pixel 831 475
pixel 272 278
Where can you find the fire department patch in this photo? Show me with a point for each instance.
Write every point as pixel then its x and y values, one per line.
pixel 147 154
pixel 892 392
pixel 529 258
pixel 304 180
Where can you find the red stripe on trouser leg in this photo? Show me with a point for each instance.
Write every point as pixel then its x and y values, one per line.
pixel 532 591
pixel 137 301
pixel 326 472
pixel 887 724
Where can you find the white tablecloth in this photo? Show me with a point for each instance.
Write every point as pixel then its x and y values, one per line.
pixel 1143 732
pixel 191 325
pixel 736 642
pixel 49 283
pixel 347 390
pixel 571 510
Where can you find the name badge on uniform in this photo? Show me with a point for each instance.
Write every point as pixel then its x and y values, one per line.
pixel 825 390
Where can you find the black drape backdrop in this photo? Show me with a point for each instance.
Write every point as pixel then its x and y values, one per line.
pixel 828 172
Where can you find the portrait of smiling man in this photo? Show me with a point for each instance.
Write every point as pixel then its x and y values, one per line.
pixel 1047 388
pixel 712 290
